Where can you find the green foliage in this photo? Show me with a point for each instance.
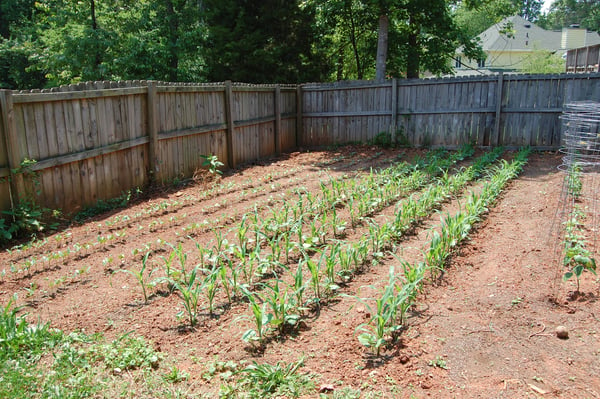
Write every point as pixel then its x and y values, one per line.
pixel 212 163
pixel 103 206
pixel 176 375
pixel 126 353
pixel 475 16
pixel 541 61
pixel 564 13
pixel 269 381
pixel 37 361
pixel 260 41
pixel 383 139
pixel 26 217
pixel 577 258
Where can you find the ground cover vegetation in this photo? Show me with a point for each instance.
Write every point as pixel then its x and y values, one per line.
pixel 53 42
pixel 273 256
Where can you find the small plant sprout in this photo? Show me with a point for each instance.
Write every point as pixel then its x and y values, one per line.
pixel 261 317
pixel 189 289
pixel 212 163
pixel 141 276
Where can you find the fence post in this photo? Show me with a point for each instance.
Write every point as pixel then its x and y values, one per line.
pixel 153 130
pixel 230 123
pixel 299 124
pixel 394 109
pixel 11 141
pixel 277 120
pixel 495 139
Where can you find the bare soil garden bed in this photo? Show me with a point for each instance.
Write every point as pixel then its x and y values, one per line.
pixel 484 327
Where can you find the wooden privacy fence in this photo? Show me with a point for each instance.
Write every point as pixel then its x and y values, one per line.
pixel 508 110
pixel 95 140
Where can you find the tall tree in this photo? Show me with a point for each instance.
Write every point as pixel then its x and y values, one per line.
pixel 262 41
pixel 348 30
pixel 426 36
pixel 563 13
pixel 17 46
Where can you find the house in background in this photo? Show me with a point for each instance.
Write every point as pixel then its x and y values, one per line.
pixel 508 44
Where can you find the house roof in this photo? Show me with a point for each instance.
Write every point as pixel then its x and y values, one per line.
pixel 525 36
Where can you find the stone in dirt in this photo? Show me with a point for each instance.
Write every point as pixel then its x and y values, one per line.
pixel 562 332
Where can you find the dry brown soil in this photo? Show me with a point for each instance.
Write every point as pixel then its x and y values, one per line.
pixel 486 329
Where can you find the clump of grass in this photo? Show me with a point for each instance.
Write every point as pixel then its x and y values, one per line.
pixel 39 361
pixel 269 381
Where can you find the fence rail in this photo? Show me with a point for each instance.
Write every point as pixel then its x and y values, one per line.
pixel 95 140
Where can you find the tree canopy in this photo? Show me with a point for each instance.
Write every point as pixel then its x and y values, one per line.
pixel 51 42
pixel 563 13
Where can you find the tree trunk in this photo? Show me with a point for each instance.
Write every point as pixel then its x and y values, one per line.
pixel 382 47
pixel 413 61
pixel 172 27
pixel 340 65
pixel 97 58
pixel 359 71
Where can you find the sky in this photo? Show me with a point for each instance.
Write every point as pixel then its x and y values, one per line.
pixel 546 6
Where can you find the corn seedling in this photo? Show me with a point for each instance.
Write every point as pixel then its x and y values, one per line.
pixel 210 286
pixel 373 334
pixel 190 290
pixel 299 286
pixel 141 277
pixel 282 306
pixel 331 260
pixel 261 318
pixel 315 277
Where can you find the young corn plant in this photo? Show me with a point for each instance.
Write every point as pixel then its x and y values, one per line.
pixel 142 278
pixel 331 260
pixel 382 324
pixel 283 307
pixel 315 277
pixel 261 318
pixel 210 286
pixel 189 288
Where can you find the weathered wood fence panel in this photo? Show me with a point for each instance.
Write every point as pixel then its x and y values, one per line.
pixel 509 110
pixel 288 120
pixel 82 142
pixel 96 140
pixel 341 113
pixel 191 123
pixel 446 112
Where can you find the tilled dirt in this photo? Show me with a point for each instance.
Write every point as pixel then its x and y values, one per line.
pixel 485 328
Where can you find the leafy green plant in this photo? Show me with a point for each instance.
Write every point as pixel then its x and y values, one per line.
pixel 266 380
pixel 574 182
pixel 212 163
pixel 176 375
pixel 189 288
pixel 18 336
pixel 438 362
pixel 261 318
pixel 577 258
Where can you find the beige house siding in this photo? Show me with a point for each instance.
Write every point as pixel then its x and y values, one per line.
pixel 508 52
